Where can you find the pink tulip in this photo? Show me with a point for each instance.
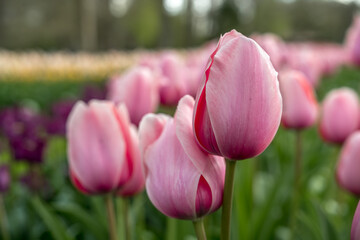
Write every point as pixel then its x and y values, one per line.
pixel 173 85
pixel 340 115
pixel 103 149
pixel 182 181
pixel 347 171
pixel 138 89
pixel 352 42
pixel 302 57
pixel 274 46
pixel 238 105
pixel 299 103
pixel 355 227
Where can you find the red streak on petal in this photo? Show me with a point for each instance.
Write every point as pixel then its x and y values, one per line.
pixel 203 198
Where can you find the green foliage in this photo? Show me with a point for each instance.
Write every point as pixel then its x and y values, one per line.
pixel 41 92
pixel 262 196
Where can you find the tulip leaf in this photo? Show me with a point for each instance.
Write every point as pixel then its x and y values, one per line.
pixel 55 226
pixel 82 217
pixel 97 204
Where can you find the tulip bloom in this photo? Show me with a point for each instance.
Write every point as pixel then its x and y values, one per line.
pixel 347 171
pixel 138 89
pixel 340 115
pixel 274 46
pixel 304 58
pixel 352 43
pixel 103 149
pixel 182 180
pixel 300 107
pixel 238 106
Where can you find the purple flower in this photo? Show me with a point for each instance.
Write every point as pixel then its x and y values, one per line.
pixel 4 178
pixel 56 124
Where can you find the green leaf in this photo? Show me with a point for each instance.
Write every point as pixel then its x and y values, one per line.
pixel 84 218
pixel 50 219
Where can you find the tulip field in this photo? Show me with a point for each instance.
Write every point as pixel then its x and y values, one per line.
pixel 241 138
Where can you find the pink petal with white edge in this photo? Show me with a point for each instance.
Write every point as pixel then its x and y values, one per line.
pixel 171 190
pixel 212 168
pixel 243 98
pixel 150 129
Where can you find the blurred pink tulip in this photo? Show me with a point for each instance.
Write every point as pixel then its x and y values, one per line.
pixel 300 107
pixel 340 115
pixel 173 85
pixel 347 171
pixel 352 41
pixel 274 46
pixel 103 149
pixel 355 227
pixel 182 181
pixel 238 105
pixel 302 57
pixel 138 89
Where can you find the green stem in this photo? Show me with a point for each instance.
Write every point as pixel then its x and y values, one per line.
pixel 171 226
pixel 297 178
pixel 111 217
pixel 119 218
pixel 126 218
pixel 3 219
pixel 227 199
pixel 200 229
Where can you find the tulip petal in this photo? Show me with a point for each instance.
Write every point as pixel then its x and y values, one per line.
pixel 76 182
pixel 212 168
pixel 299 104
pixel 347 171
pixel 202 125
pixel 171 176
pixel 138 89
pixel 203 197
pixel 96 164
pixel 355 227
pixel 137 181
pixel 340 115
pixel 243 98
pixel 150 129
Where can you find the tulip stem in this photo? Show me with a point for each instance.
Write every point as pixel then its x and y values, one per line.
pixel 126 218
pixel 227 199
pixel 171 228
pixel 111 217
pixel 297 176
pixel 3 219
pixel 200 229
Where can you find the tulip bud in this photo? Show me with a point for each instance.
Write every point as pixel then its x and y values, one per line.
pixel 347 171
pixel 4 178
pixel 138 89
pixel 299 103
pixel 182 181
pixel 238 106
pixel 103 149
pixel 355 227
pixel 340 115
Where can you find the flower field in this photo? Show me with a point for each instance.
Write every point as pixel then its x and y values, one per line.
pixel 66 174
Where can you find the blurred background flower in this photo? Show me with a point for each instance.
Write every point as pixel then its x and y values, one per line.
pixel 53 53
